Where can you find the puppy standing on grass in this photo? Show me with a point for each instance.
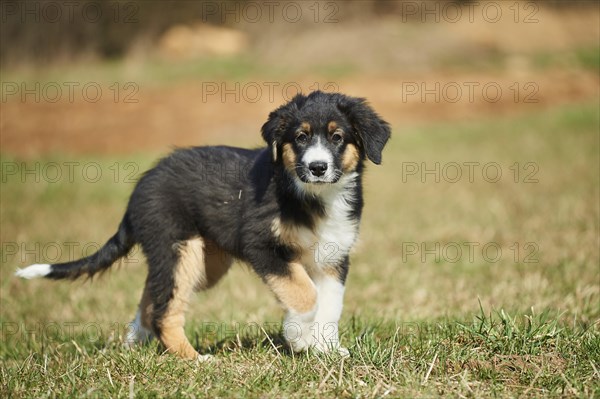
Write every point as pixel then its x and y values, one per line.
pixel 290 210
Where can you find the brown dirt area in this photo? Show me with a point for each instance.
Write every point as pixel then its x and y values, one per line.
pixel 177 115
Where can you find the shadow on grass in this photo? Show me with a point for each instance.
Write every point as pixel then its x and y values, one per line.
pixel 267 341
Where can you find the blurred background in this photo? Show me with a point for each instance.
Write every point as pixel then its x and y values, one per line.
pixel 94 91
pixel 127 76
pixel 487 203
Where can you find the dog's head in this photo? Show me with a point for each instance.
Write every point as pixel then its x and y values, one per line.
pixel 323 136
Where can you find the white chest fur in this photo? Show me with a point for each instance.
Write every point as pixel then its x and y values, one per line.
pixel 333 236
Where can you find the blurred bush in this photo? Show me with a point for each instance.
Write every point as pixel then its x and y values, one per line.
pixel 45 31
pixel 39 32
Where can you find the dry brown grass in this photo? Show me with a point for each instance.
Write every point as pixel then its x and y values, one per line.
pixel 415 327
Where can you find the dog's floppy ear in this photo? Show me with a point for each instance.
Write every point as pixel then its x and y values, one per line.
pixel 373 132
pixel 278 122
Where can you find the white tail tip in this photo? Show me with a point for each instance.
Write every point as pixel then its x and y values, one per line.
pixel 33 271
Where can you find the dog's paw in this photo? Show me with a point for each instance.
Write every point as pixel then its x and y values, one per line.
pixel 343 352
pixel 300 343
pixel 136 333
pixel 205 358
pixel 331 348
pixel 297 331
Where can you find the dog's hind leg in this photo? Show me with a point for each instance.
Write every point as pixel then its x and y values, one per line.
pixel 140 329
pixel 173 276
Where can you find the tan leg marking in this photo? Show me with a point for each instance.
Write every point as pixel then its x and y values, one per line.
pixel 296 291
pixel 350 158
pixel 189 274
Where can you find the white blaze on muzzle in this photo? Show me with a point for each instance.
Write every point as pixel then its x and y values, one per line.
pixel 318 153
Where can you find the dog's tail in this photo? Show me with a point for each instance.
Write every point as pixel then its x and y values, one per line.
pixel 117 247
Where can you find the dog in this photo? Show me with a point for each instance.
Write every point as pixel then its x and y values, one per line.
pixel 290 210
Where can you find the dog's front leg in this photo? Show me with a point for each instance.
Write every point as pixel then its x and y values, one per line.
pixel 329 309
pixel 298 294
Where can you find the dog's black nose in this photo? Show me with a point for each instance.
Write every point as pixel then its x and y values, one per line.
pixel 318 168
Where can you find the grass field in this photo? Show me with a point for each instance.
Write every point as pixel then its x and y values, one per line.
pixel 477 274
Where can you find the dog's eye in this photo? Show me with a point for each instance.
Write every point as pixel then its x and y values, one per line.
pixel 302 138
pixel 336 138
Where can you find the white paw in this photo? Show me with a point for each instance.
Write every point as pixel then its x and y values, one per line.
pixel 205 358
pixel 136 333
pixel 300 344
pixel 297 331
pixel 332 347
pixel 343 352
pixel 298 336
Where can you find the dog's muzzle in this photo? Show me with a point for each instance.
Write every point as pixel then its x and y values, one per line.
pixel 317 172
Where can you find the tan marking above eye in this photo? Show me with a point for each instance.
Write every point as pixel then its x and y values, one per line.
pixel 332 126
pixel 305 127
